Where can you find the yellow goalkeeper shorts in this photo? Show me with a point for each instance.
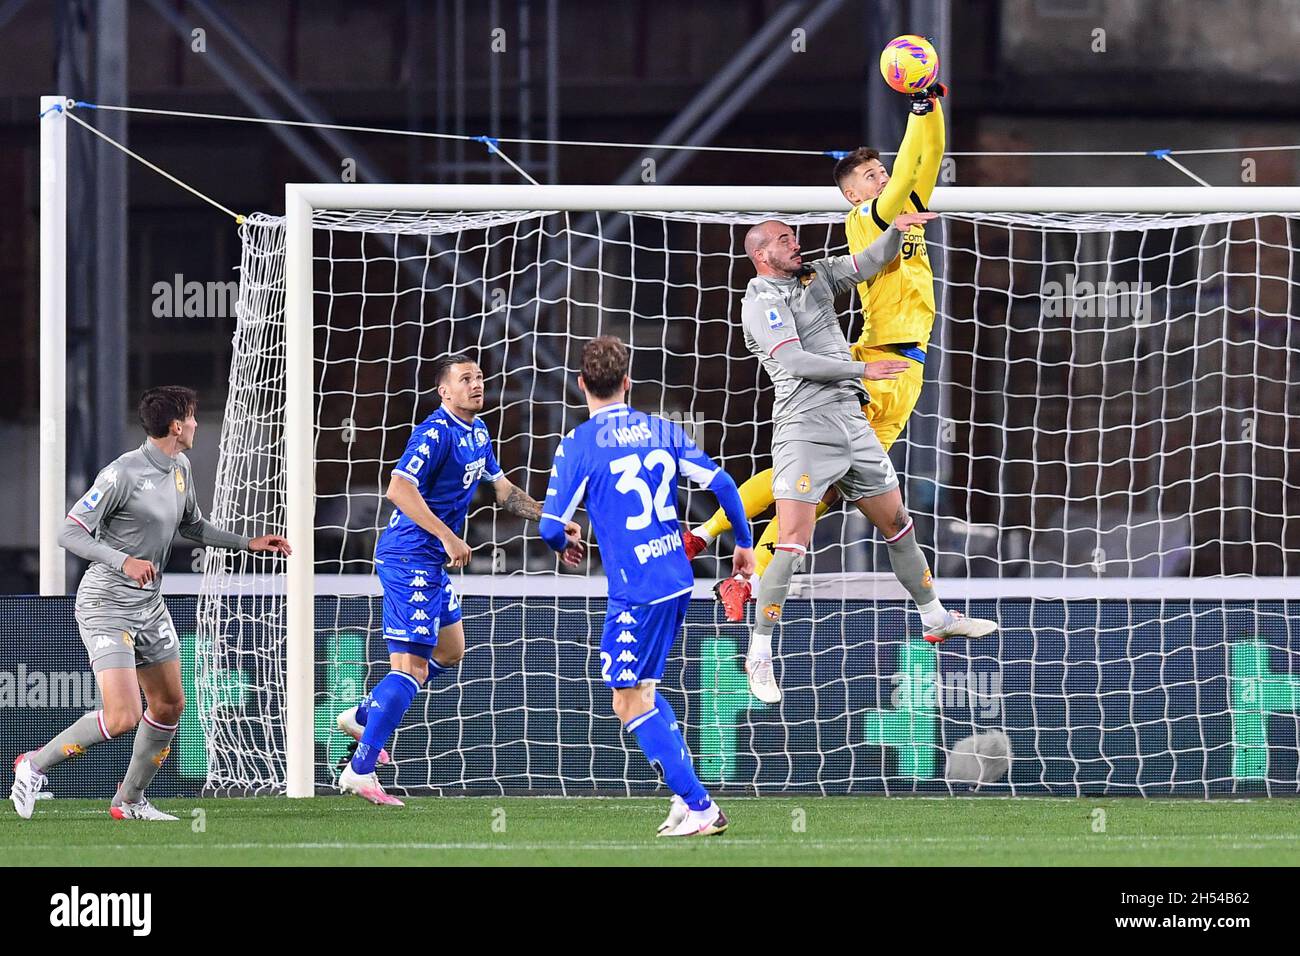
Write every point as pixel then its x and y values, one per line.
pixel 892 400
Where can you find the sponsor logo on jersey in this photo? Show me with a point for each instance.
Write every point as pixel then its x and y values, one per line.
pixel 626 618
pixel 424 448
pixel 180 480
pixel 146 484
pixel 162 755
pixel 658 547
pixel 626 638
pixel 91 501
pixel 774 319
pixel 803 484
pixel 108 476
pixel 772 612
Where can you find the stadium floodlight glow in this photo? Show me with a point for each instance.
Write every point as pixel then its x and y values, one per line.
pixel 1070 462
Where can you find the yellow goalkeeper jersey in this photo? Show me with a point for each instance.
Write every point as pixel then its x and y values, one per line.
pixel 898 301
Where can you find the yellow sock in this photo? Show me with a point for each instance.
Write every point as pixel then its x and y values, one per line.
pixel 755 494
pixel 763 551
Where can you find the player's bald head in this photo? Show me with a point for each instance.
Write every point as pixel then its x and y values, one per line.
pixel 760 234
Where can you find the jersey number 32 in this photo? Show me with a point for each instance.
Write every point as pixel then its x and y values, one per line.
pixel 630 482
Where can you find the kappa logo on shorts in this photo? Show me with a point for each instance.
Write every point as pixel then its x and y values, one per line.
pixel 418 598
pixel 102 642
pixel 626 638
pixel 803 484
pixel 626 618
pixel 419 615
pixel 772 612
pixel 420 629
pixel 626 674
pixel 626 657
pixel 419 582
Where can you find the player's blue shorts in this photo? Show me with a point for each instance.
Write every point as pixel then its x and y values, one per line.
pixel 418 601
pixel 635 644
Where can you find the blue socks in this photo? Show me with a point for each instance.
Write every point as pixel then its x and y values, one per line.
pixel 660 738
pixel 386 706
pixel 436 670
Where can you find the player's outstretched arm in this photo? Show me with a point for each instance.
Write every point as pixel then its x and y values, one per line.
pixel 771 325
pixel 932 147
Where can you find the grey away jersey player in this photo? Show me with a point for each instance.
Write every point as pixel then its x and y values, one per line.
pixel 820 436
pixel 798 315
pixel 134 510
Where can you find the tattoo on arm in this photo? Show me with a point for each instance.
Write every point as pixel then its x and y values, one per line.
pixel 518 502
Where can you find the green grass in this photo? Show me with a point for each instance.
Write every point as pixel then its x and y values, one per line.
pixel 901 831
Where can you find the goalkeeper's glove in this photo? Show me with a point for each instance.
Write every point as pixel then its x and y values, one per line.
pixel 923 101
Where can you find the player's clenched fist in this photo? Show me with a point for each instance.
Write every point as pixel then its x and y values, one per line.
pixel 140 571
pixel 458 552
pixel 573 554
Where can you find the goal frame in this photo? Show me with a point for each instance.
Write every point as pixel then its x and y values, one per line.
pixel 302 199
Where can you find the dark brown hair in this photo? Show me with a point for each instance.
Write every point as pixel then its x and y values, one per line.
pixel 161 406
pixel 442 367
pixel 849 164
pixel 605 363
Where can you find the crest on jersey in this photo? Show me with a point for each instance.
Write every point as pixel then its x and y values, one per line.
pixel 480 436
pixel 128 640
pixel 180 481
pixel 774 319
pixel 806 275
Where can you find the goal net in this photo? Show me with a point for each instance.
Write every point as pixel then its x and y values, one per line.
pixel 1105 459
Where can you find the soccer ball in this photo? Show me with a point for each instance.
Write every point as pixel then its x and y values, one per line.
pixel 909 64
pixel 983 758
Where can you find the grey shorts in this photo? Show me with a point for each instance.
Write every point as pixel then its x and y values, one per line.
pixel 829 445
pixel 117 637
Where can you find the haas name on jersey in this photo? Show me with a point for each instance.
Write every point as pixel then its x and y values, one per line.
pixel 658 547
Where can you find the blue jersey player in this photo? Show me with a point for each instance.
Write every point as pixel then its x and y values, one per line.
pixel 625 465
pixel 449 453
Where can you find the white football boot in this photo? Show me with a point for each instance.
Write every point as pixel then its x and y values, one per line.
pixel 28 782
pixel 699 823
pixel 367 787
pixel 143 810
pixel 957 624
pixel 762 679
pixel 677 812
pixel 347 723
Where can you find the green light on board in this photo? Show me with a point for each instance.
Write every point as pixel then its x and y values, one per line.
pixel 724 694
pixel 1256 691
pixel 912 727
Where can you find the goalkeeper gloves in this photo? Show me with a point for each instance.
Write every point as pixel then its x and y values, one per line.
pixel 923 102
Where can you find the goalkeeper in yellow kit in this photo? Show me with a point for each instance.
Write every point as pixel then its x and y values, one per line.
pixel 897 307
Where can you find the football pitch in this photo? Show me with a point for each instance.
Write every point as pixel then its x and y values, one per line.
pixel 768 831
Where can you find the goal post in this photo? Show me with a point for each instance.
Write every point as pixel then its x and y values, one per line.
pixel 436 217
